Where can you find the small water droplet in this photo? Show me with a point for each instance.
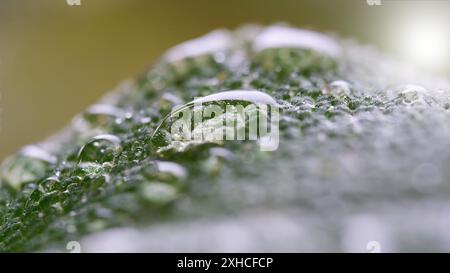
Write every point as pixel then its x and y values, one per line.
pixel 158 193
pixel 337 88
pixel 50 184
pixel 33 151
pixel 100 149
pixel 408 94
pixel 213 42
pixel 413 93
pixel 172 169
pixel 102 115
pixel 145 120
pixel 287 37
pixel 222 153
pixel 48 199
pixel 219 57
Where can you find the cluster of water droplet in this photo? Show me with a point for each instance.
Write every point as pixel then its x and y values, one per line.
pixel 119 162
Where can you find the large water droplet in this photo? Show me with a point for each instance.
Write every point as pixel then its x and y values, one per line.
pixel 215 118
pixel 287 37
pixel 101 148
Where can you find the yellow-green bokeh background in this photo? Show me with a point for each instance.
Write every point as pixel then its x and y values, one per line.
pixel 56 59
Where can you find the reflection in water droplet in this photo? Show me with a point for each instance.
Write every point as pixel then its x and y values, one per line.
pixel 251 96
pixel 287 37
pixel 30 164
pixel 212 123
pixel 101 148
pixel 256 97
pixel 337 88
pixel 211 43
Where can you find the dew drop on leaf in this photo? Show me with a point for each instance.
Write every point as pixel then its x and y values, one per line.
pixel 30 164
pixel 100 149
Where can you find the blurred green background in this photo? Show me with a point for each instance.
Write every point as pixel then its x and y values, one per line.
pixel 56 59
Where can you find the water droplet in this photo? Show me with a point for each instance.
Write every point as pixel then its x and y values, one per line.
pixel 210 120
pixel 50 184
pixel 219 57
pixel 408 94
pixel 337 88
pixel 210 43
pixel 102 115
pixel 48 199
pixel 158 193
pixel 100 149
pixel 171 168
pixel 413 93
pixel 222 153
pixel 213 165
pixel 33 151
pixel 287 37
pixel 30 164
pixel 256 97
pixel 172 99
pixel 145 120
